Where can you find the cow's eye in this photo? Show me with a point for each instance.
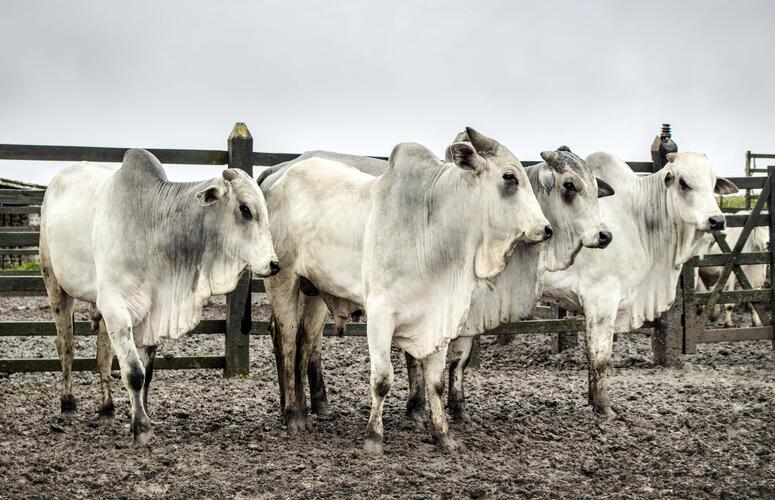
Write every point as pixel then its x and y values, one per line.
pixel 683 185
pixel 569 186
pixel 246 213
pixel 510 178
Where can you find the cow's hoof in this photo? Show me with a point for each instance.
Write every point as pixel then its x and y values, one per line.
pixel 446 444
pixel 142 438
pixel 67 405
pixel 107 412
pixel 416 416
pixel 605 412
pixel 461 417
pixel 322 410
pixel 296 425
pixel 373 446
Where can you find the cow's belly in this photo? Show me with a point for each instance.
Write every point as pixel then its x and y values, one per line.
pixel 70 207
pixel 339 275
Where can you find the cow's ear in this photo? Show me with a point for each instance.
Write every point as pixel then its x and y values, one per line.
pixel 603 188
pixel 724 186
pixel 465 156
pixel 210 195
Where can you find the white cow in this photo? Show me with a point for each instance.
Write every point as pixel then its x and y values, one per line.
pixel 441 225
pixel 659 221
pixel 148 253
pixel 758 241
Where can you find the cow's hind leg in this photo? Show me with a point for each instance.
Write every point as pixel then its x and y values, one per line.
pixel 459 356
pixel 313 322
pixel 415 405
pixel 433 366
pixel 104 362
pixel 379 331
pixel 62 309
pixel 119 326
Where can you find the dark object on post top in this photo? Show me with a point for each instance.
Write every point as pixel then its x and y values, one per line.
pixel 662 145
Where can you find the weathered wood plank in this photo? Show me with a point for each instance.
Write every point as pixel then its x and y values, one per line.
pixel 737 296
pixel 21 196
pixel 749 182
pixel 32 209
pixel 734 220
pixel 19 238
pixel 692 323
pixel 90 364
pixel 667 341
pixel 110 155
pixel 736 334
pixel 21 284
pixel 18 251
pixel 83 328
pixel 743 258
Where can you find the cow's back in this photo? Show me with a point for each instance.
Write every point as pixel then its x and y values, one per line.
pixel 67 223
pixel 318 210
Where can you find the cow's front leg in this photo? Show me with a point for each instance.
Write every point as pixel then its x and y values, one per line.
pixel 147 356
pixel 283 292
pixel 415 405
pixel 379 331
pixel 459 356
pixel 119 325
pixel 599 340
pixel 104 362
pixel 433 366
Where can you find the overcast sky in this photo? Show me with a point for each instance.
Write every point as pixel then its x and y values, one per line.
pixel 359 77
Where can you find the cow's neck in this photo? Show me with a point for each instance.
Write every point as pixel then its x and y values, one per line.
pixel 665 240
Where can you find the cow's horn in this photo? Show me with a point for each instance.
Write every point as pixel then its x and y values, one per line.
pixel 550 156
pixel 481 143
pixel 230 174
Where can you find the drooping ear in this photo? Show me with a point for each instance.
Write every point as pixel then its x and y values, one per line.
pixel 603 188
pixel 546 180
pixel 465 156
pixel 724 186
pixel 210 195
pixel 230 174
pixel 671 157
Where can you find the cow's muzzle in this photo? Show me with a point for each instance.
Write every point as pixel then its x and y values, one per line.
pixel 274 268
pixel 717 222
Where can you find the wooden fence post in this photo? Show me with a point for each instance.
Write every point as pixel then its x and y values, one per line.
pixel 771 210
pixel 238 318
pixel 562 341
pixel 667 340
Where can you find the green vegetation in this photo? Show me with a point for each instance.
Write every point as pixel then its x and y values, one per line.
pixel 736 201
pixel 26 266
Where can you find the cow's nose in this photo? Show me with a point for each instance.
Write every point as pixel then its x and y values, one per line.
pixel 717 222
pixel 548 232
pixel 274 267
pixel 604 238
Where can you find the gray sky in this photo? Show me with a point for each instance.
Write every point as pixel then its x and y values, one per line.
pixel 359 77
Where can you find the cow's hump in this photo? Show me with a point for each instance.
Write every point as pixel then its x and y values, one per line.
pixel 140 164
pixel 611 169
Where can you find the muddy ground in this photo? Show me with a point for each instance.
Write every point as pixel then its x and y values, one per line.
pixel 707 430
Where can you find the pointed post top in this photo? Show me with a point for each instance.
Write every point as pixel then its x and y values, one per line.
pixel 240 131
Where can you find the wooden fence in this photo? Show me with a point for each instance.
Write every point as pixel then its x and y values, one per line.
pixel 238 325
